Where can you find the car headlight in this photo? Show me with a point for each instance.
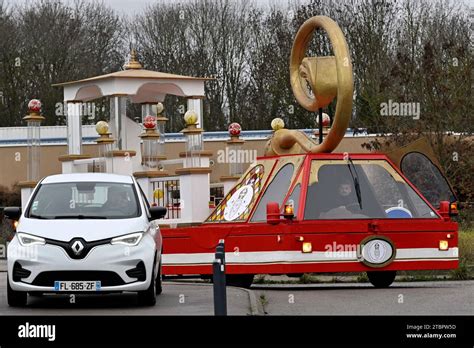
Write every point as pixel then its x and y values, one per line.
pixel 131 239
pixel 28 239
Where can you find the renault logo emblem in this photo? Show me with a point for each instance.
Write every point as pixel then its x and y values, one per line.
pixel 77 247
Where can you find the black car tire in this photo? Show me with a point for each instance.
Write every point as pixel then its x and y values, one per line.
pixel 159 281
pixel 239 280
pixel 381 279
pixel 148 297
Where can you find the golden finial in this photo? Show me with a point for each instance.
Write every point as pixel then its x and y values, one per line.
pixel 277 124
pixel 102 128
pixel 190 118
pixel 133 62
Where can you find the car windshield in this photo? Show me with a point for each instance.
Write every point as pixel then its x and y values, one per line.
pixel 360 190
pixel 84 200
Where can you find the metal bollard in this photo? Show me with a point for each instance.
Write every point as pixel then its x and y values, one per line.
pixel 220 291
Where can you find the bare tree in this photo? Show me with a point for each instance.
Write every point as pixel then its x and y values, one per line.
pixel 48 42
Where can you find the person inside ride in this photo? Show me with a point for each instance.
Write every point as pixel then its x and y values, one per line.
pixel 343 201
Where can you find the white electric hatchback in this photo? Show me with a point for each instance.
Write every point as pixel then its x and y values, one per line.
pixel 85 233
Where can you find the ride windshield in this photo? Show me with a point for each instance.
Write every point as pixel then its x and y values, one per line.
pixel 361 189
pixel 84 200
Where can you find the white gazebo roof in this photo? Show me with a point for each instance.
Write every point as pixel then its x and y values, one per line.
pixel 142 86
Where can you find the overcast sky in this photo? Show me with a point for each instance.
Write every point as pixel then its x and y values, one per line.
pixel 131 7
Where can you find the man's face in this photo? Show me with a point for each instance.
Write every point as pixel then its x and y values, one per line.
pixel 345 190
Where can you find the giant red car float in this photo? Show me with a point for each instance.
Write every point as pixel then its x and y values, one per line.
pixel 303 209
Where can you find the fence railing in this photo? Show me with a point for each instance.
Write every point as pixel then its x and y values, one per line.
pixel 166 194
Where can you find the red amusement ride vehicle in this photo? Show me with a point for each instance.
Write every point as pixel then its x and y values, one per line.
pixel 302 209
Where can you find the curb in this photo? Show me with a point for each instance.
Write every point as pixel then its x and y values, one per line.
pixel 252 298
pixel 253 302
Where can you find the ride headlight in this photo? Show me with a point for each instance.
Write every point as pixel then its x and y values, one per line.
pixel 26 239
pixel 131 239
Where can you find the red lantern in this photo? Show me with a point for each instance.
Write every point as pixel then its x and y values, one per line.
pixel 235 129
pixel 326 120
pixel 149 122
pixel 34 105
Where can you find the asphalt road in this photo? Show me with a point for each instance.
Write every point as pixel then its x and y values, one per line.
pixel 181 298
pixel 176 299
pixel 407 298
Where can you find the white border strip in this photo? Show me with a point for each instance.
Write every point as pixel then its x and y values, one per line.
pixel 275 257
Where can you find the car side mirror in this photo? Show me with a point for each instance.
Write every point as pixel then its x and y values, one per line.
pixel 157 212
pixel 12 213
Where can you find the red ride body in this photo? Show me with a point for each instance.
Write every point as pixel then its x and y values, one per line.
pixel 263 248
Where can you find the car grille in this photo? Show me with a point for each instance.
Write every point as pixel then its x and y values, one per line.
pixel 74 250
pixel 107 278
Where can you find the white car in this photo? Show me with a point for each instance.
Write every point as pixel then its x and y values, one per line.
pixel 85 233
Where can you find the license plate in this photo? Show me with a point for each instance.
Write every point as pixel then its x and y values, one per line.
pixel 77 285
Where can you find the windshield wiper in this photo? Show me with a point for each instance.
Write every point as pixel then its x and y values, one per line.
pixel 355 179
pixel 79 217
pixel 34 216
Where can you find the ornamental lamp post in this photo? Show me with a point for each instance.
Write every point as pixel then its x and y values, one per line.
pixel 161 122
pixel 147 109
pixel 193 140
pixel 106 147
pixel 233 157
pixel 235 149
pixel 194 181
pixel 33 121
pixel 153 149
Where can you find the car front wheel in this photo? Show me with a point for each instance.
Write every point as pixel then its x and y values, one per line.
pixel 148 297
pixel 159 281
pixel 16 298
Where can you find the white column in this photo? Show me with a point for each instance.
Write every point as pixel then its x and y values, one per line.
pixel 118 114
pixel 196 105
pixel 74 129
pixel 194 195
